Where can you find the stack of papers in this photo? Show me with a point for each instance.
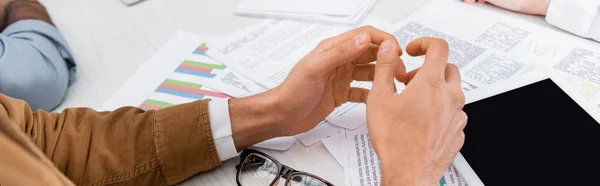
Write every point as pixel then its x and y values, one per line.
pixel 325 11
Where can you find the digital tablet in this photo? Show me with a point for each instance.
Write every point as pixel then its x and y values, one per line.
pixel 531 130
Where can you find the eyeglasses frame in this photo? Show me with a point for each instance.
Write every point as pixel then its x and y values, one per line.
pixel 284 170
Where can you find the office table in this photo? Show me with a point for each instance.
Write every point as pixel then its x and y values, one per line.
pixel 110 41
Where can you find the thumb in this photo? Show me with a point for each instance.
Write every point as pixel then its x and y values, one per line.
pixel 385 68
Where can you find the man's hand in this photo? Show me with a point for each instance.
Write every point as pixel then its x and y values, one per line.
pixel 418 132
pixel 535 7
pixel 319 83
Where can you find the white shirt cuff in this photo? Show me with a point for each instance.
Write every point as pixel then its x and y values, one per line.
pixel 220 125
pixel 576 16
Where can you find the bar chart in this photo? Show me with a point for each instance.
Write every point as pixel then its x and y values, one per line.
pixel 185 83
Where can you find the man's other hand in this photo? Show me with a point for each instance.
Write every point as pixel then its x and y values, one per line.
pixel 534 7
pixel 418 132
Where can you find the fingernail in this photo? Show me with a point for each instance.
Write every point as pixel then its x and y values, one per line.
pixel 360 39
pixel 385 46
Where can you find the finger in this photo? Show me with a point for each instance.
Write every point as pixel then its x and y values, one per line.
pixel 436 55
pixel 377 36
pixel 387 61
pixel 452 75
pixel 401 71
pixel 410 75
pixel 358 95
pixel 364 72
pixel 481 1
pixel 343 52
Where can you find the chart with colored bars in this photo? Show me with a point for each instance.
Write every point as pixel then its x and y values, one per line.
pixel 185 84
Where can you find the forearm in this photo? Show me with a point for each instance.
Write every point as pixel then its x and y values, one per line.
pixel 25 9
pixel 127 146
pixel 255 119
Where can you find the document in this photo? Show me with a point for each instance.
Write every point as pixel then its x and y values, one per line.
pixel 353 150
pixel 493 48
pixel 329 11
pixel 235 84
pixel 503 36
pixel 461 52
pixel 267 51
pixel 582 63
pixel 321 131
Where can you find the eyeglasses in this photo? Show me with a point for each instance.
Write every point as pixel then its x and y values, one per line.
pixel 257 168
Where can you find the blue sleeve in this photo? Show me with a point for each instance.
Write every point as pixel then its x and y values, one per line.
pixel 36 64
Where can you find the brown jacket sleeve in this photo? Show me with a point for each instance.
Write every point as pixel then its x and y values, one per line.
pixel 128 146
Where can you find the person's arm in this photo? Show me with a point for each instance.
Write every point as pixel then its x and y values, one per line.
pixel 128 145
pixel 36 64
pixel 580 17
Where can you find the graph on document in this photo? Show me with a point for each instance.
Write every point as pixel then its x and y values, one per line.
pixel 185 83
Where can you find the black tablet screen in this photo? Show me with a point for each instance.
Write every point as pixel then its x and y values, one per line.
pixel 533 135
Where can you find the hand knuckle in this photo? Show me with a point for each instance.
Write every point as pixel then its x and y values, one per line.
pixel 463 118
pixel 460 99
pixel 324 45
pixel 461 137
pixel 310 67
pixel 384 65
pixel 341 48
pixel 434 81
pixel 443 43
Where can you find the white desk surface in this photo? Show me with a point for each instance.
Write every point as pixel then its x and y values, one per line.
pixel 110 41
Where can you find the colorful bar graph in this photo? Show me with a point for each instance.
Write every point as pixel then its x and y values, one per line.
pixel 201 50
pixel 192 90
pixel 195 73
pixel 196 68
pixel 183 84
pixel 185 89
pixel 179 93
pixel 190 67
pixel 204 65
